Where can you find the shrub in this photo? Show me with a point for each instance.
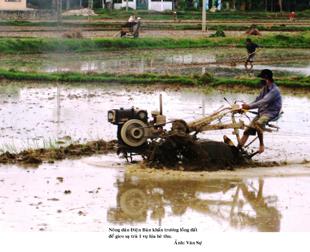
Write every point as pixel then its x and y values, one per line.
pixel 219 33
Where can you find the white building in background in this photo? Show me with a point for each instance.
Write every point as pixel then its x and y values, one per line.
pixel 13 4
pixel 214 5
pixel 155 5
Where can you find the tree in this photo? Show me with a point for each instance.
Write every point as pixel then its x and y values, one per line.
pixel 280 2
pixel 40 4
pixel 90 4
pixel 232 4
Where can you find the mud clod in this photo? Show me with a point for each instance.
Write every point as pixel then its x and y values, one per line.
pixel 81 213
pixel 6 157
pixel 38 156
pixel 53 199
pixel 31 160
pixel 60 179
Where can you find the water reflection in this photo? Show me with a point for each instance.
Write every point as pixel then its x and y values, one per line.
pixel 240 203
pixel 175 61
pixel 157 63
pixel 175 64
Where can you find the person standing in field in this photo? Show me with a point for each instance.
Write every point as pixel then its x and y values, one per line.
pixel 292 16
pixel 251 49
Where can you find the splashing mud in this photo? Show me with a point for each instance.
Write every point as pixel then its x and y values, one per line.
pixel 184 153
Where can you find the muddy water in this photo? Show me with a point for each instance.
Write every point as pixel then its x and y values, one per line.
pixel 177 61
pixel 94 193
pixel 40 115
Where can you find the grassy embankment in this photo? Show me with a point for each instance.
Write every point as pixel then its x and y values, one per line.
pixel 75 45
pixel 45 45
pixel 115 26
pixel 119 16
pixel 148 79
pixel 193 14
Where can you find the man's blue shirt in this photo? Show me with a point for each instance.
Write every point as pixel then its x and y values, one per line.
pixel 269 101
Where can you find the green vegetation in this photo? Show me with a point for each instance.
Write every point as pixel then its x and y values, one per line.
pixel 195 15
pixel 187 5
pixel 225 27
pixel 273 28
pixel 218 33
pixel 115 26
pixel 96 77
pixel 38 45
pixel 148 79
pixel 288 82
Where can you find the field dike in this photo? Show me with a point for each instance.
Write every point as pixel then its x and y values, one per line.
pixel 48 45
pixel 150 78
pixel 149 25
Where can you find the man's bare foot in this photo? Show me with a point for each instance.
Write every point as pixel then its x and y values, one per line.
pixel 261 149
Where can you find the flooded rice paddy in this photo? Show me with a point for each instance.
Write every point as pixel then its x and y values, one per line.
pixel 94 193
pixel 220 61
pixel 34 115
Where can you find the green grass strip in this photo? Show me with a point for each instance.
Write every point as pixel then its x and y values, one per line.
pixel 46 45
pixel 148 79
pixel 111 26
pixel 288 82
pixel 97 77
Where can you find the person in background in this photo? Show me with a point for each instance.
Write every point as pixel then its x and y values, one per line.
pixel 131 21
pixel 251 49
pixel 292 16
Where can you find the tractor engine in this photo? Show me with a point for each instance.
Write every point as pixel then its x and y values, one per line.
pixel 138 134
pixel 134 128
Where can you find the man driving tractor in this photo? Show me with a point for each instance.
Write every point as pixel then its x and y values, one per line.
pixel 268 103
pixel 131 28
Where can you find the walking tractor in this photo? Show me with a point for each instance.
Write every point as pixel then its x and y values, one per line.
pixel 138 133
pixel 131 29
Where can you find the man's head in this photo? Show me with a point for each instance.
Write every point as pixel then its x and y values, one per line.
pixel 266 75
pixel 248 41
